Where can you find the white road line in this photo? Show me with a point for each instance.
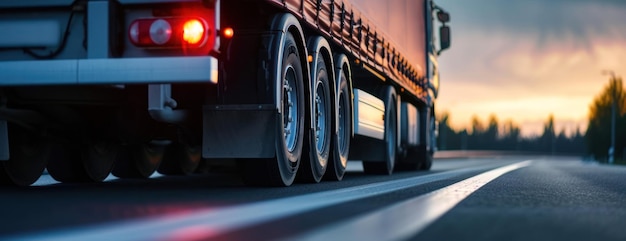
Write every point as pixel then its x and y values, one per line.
pixel 204 224
pixel 401 221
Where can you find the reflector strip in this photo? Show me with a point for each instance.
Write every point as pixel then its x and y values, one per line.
pixel 160 32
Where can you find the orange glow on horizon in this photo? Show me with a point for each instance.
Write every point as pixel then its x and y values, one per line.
pixel 514 80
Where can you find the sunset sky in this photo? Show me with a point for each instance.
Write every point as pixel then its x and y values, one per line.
pixel 524 60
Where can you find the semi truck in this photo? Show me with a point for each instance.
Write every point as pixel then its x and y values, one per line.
pixel 288 89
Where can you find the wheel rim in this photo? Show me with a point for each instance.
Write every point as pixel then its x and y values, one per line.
pixel 342 138
pixel 320 115
pixel 290 109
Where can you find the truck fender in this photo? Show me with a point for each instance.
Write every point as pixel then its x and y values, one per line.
pixel 281 24
pixel 317 45
pixel 342 63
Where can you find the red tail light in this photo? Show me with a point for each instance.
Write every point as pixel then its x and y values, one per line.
pixel 193 31
pixel 169 32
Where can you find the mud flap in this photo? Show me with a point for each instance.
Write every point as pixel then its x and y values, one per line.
pixel 239 131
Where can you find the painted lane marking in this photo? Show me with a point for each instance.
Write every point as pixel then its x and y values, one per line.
pixel 204 224
pixel 403 220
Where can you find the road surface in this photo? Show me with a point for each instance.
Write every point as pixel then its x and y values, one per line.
pixel 477 198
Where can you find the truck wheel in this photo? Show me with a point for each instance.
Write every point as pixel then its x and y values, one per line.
pixel 29 156
pixel 424 158
pixel 341 139
pixel 281 170
pixel 138 161
pixel 180 159
pixel 412 161
pixel 426 154
pixel 427 161
pixel 318 146
pixel 386 166
pixel 98 159
pixel 82 162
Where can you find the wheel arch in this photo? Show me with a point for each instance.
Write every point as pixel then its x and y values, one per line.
pixel 342 63
pixel 283 23
pixel 315 45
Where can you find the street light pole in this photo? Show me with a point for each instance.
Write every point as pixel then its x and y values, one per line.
pixel 613 107
pixel 612 149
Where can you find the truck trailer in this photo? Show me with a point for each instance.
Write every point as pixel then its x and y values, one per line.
pixel 289 89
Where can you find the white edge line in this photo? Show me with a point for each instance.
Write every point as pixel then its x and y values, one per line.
pixel 213 222
pixel 402 220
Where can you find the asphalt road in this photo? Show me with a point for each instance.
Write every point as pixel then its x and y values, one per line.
pixel 478 198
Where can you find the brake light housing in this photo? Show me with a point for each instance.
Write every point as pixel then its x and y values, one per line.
pixel 171 32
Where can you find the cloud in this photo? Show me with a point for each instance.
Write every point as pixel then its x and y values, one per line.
pixel 525 60
pixel 546 22
pixel 499 47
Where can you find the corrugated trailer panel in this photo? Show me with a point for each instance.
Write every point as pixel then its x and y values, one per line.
pixel 403 21
pixel 389 36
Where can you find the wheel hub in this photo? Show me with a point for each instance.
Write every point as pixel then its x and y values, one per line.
pixel 290 109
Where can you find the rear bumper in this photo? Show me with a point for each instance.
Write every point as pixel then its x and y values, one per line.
pixel 109 71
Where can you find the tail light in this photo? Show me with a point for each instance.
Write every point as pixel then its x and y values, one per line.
pixel 193 32
pixel 172 32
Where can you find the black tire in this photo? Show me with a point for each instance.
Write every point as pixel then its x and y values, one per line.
pixel 341 138
pixel 386 166
pixel 281 170
pixel 317 150
pixel 425 159
pixel 28 158
pixel 90 161
pixel 411 162
pixel 425 153
pixel 180 159
pixel 138 161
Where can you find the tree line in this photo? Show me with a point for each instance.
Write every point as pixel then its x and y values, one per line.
pixel 595 142
pixel 507 137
